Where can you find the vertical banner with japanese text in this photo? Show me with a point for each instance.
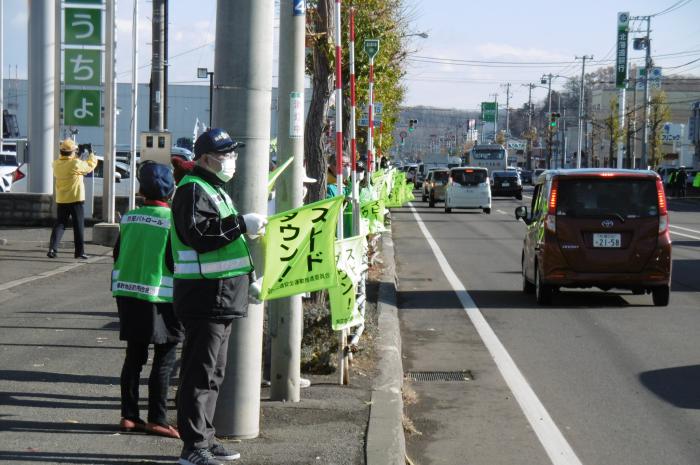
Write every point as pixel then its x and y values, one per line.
pixel 82 63
pixel 350 255
pixel 300 250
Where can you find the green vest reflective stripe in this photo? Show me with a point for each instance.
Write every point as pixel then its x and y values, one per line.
pixel 140 270
pixel 231 260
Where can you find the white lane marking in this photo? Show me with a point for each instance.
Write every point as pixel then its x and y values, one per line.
pixel 684 229
pixel 551 438
pixel 501 212
pixel 685 235
pixel 46 274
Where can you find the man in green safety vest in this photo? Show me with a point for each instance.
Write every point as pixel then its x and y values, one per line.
pixel 213 278
pixel 142 282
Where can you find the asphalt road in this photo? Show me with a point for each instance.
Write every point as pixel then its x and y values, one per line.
pixel 619 377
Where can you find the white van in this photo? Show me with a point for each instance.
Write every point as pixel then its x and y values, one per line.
pixel 468 187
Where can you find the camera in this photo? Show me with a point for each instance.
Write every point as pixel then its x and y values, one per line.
pixel 84 147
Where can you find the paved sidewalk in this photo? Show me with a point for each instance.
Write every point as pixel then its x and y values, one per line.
pixel 60 358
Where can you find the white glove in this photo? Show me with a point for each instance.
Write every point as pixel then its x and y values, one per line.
pixel 255 224
pixel 254 290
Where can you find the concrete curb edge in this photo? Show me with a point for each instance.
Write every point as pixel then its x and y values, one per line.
pixel 385 436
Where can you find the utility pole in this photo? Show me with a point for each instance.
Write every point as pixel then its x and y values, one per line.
pixel 549 125
pixel 242 102
pixel 647 71
pixel 580 107
pixel 157 107
pixel 2 73
pixel 495 118
pixel 134 102
pixel 110 129
pixel 41 93
pixel 507 86
pixel 528 162
pixel 286 322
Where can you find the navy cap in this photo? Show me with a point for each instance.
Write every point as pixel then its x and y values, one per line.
pixel 215 141
pixel 156 181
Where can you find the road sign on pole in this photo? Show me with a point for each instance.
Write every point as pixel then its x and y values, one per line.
pixel 489 111
pixel 371 47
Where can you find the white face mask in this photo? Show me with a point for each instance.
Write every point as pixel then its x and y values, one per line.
pixel 227 169
pixel 346 172
pixel 360 176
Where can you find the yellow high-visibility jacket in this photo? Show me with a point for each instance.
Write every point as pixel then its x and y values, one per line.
pixel 69 172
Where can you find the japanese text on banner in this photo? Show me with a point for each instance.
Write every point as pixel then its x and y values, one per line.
pixel 350 263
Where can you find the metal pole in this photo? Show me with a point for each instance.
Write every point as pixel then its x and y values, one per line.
pixel 370 132
pixel 286 315
pixel 242 105
pixel 2 79
pixel 108 209
pixel 353 135
pixel 644 162
pixel 157 79
pixel 41 94
pixel 211 95
pixel 134 103
pixel 507 111
pixel 580 109
pixel 339 159
pixel 621 115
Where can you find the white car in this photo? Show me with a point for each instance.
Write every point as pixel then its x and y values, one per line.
pixel 8 170
pixel 468 187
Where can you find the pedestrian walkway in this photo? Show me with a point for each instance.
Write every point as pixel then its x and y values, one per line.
pixel 60 358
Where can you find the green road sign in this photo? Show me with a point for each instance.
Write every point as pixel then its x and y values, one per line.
pixel 83 26
pixel 371 47
pixel 489 111
pixel 623 22
pixel 82 67
pixel 81 108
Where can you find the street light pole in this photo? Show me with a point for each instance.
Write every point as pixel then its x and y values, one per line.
pixel 580 108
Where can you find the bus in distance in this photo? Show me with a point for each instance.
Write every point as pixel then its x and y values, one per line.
pixel 491 156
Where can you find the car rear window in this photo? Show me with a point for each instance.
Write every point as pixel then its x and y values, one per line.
pixel 469 177
pixel 620 197
pixel 505 174
pixel 440 175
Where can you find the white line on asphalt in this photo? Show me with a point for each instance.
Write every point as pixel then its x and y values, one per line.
pixel 685 235
pixel 551 438
pixel 46 274
pixel 684 229
pixel 501 212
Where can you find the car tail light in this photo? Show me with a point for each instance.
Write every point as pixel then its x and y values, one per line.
pixel 550 221
pixel 17 175
pixel 663 211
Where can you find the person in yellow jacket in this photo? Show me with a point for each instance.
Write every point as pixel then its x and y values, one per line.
pixel 70 196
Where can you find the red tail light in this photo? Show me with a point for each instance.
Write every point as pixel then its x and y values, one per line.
pixel 550 221
pixel 663 210
pixel 17 175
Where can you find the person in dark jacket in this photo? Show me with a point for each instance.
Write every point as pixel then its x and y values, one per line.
pixel 213 278
pixel 143 286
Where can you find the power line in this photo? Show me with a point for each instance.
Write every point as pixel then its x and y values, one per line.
pixel 672 8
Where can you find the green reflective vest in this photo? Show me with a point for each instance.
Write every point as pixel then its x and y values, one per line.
pixel 231 260
pixel 140 270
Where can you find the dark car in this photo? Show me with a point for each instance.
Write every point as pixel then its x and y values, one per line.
pixel 506 184
pixel 600 228
pixel 526 176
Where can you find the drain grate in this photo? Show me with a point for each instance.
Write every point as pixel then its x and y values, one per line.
pixel 440 376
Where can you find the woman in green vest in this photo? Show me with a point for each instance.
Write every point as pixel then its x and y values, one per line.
pixel 142 282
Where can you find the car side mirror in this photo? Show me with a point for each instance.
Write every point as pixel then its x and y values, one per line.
pixel 521 213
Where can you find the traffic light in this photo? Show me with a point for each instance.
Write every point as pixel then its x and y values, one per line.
pixel 412 123
pixel 554 120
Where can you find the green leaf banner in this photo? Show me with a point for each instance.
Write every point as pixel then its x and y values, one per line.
pixel 350 255
pixel 300 250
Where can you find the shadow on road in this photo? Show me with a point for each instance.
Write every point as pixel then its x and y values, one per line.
pixel 678 386
pixel 51 427
pixel 81 458
pixel 685 276
pixel 50 400
pixel 51 377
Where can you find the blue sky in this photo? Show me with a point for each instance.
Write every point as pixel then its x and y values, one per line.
pixel 506 30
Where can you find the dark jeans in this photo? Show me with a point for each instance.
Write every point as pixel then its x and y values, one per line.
pixel 158 382
pixel 66 211
pixel 201 373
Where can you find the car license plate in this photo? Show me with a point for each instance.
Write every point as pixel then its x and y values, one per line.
pixel 505 184
pixel 607 240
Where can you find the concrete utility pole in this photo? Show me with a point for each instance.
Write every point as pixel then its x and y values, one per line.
pixel 507 86
pixel 286 315
pixel 242 102
pixel 158 105
pixel 647 71
pixel 580 107
pixel 134 102
pixel 41 94
pixel 529 125
pixel 2 79
pixel 110 128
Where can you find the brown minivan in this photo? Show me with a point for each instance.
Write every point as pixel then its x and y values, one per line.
pixel 606 228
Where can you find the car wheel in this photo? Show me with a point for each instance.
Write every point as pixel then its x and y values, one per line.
pixel 487 211
pixel 661 295
pixel 431 204
pixel 528 287
pixel 543 292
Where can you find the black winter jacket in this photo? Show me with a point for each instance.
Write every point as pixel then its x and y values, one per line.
pixel 198 225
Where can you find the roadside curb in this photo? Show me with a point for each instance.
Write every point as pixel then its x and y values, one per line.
pixel 385 437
